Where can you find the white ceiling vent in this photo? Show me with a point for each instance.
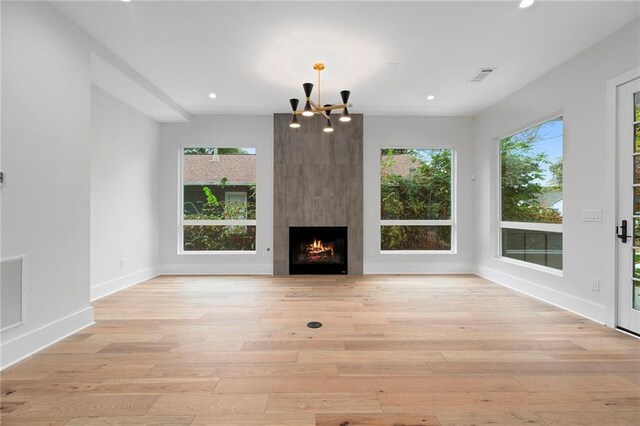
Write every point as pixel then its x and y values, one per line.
pixel 482 74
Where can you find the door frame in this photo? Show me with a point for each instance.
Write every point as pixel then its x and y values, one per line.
pixel 610 222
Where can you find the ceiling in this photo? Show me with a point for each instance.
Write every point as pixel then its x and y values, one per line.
pixel 391 55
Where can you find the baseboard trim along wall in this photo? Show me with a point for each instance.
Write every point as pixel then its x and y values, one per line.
pixel 416 268
pixel 109 287
pixel 217 269
pixel 16 350
pixel 581 307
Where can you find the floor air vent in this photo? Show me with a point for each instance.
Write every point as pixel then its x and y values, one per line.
pixel 10 292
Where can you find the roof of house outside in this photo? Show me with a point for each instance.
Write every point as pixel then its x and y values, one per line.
pixel 402 165
pixel 238 169
pixel 550 198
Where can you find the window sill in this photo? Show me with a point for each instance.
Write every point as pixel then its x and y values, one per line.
pixel 417 252
pixel 215 253
pixel 533 266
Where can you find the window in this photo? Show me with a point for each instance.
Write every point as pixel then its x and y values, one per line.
pixel 416 199
pixel 531 195
pixel 218 199
pixel 238 199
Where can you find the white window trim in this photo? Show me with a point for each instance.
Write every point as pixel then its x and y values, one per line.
pixel 526 226
pixel 533 226
pixel 182 222
pixel 426 222
pixel 533 266
pixel 391 222
pixel 226 222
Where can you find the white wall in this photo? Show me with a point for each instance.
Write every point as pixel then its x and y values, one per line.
pixel 452 132
pixel 577 89
pixel 222 131
pixel 125 210
pixel 46 155
pixel 46 158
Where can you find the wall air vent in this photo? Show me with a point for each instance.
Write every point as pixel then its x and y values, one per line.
pixel 482 74
pixel 11 292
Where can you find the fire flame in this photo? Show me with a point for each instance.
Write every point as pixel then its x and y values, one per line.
pixel 318 247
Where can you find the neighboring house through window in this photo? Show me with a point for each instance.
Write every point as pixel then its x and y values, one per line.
pixel 218 199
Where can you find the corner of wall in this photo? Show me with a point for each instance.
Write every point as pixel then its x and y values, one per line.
pixel 578 306
pixel 109 287
pixel 15 350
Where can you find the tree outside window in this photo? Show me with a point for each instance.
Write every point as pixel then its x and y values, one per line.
pixel 531 194
pixel 416 199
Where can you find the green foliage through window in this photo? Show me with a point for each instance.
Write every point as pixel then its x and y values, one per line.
pixel 219 191
pixel 415 237
pixel 531 164
pixel 531 193
pixel 219 238
pixel 415 185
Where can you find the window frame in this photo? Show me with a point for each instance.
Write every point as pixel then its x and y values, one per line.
pixel 181 223
pixel 244 194
pixel 527 226
pixel 235 193
pixel 420 222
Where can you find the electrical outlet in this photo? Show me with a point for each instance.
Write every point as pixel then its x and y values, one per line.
pixel 595 284
pixel 123 263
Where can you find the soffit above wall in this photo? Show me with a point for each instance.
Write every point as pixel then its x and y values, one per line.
pixel 124 87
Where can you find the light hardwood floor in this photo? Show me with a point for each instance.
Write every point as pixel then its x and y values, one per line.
pixel 393 350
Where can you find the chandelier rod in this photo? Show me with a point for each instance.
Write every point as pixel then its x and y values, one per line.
pixel 319 69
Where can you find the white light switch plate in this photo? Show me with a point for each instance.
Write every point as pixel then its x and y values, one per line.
pixel 591 215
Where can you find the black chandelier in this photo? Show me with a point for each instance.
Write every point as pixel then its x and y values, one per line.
pixel 312 108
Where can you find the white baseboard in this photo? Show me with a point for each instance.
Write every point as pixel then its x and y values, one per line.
pixel 217 269
pixel 110 287
pixel 581 307
pixel 19 348
pixel 416 268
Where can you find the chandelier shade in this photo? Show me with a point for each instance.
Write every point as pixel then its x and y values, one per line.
pixel 308 88
pixel 345 96
pixel 312 108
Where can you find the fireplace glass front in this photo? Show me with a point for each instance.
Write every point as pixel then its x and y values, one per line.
pixel 318 250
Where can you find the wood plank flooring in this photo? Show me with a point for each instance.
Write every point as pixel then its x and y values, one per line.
pixel 393 350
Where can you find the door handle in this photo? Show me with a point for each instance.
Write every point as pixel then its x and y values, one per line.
pixel 621 232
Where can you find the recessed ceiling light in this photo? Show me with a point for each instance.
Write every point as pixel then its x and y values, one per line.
pixel 526 3
pixel 212 95
pixel 126 1
pixel 430 97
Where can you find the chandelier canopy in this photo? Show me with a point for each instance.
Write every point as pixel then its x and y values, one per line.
pixel 312 108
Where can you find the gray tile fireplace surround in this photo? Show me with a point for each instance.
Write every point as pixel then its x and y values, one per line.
pixel 317 182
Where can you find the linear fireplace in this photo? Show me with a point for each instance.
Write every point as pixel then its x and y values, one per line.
pixel 317 250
